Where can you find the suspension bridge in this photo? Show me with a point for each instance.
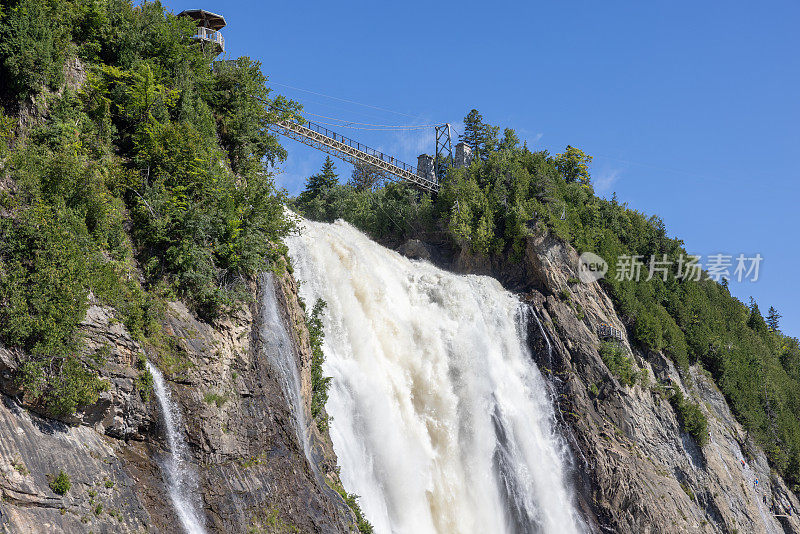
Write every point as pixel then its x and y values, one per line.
pixel 424 177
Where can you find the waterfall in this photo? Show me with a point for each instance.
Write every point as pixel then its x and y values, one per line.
pixel 440 419
pixel 277 347
pixel 180 477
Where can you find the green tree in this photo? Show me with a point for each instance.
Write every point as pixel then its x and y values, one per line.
pixel 691 417
pixel 773 319
pixel 34 42
pixel 241 99
pixel 481 137
pixel 756 320
pixel 573 164
pixel 647 330
pixel 510 140
pixel 320 183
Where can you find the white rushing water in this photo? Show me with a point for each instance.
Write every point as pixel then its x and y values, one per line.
pixel 277 348
pixel 441 420
pixel 180 477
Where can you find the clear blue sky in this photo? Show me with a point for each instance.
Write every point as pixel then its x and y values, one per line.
pixel 691 110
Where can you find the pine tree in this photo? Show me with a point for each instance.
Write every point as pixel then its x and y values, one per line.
pixel 473 131
pixel 320 183
pixel 773 319
pixel 481 137
pixel 756 320
pixel 510 140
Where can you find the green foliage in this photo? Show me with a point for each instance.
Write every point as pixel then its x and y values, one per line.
pixel 43 280
pixel 773 319
pixel 319 184
pixel 647 330
pixel 692 419
pixel 34 42
pixel 60 483
pixel 155 165
pixel 620 364
pixel 395 211
pixel 481 137
pixel 573 164
pixel 319 382
pixel 61 385
pixel 144 384
pixel 687 490
pixel 6 132
pixel 240 97
pixel 363 525
pixel 270 523
pixel 365 177
pixel 216 399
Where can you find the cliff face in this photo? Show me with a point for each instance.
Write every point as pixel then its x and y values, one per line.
pixel 254 475
pixel 635 470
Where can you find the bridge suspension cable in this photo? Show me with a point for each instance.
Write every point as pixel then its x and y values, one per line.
pixel 346 123
pixel 373 129
pixel 343 100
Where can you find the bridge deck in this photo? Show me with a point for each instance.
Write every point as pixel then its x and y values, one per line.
pixel 353 152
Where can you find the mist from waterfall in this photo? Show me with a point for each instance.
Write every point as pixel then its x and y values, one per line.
pixel 440 419
pixel 180 477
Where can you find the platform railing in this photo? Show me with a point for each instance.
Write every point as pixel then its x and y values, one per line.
pixel 213 36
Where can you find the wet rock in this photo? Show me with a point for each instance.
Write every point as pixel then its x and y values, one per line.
pixel 634 469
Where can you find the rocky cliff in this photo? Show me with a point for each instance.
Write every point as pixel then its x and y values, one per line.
pixel 254 473
pixel 635 469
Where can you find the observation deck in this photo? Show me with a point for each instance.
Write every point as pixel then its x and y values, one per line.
pixel 208 27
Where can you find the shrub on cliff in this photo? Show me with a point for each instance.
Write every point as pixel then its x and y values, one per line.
pixel 618 363
pixel 319 382
pixel 692 419
pixel 61 483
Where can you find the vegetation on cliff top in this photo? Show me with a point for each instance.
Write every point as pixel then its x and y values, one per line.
pixel 509 190
pixel 134 174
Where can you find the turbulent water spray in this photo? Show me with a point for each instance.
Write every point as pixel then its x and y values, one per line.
pixel 441 420
pixel 181 480
pixel 277 348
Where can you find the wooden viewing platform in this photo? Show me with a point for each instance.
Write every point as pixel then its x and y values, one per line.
pixel 208 27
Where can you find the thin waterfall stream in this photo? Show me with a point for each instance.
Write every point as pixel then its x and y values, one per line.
pixel 180 477
pixel 276 347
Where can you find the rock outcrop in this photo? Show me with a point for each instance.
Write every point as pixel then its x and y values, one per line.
pixel 634 468
pixel 253 471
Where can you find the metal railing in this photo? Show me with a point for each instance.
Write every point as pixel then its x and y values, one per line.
pixel 213 36
pixel 605 331
pixel 321 138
